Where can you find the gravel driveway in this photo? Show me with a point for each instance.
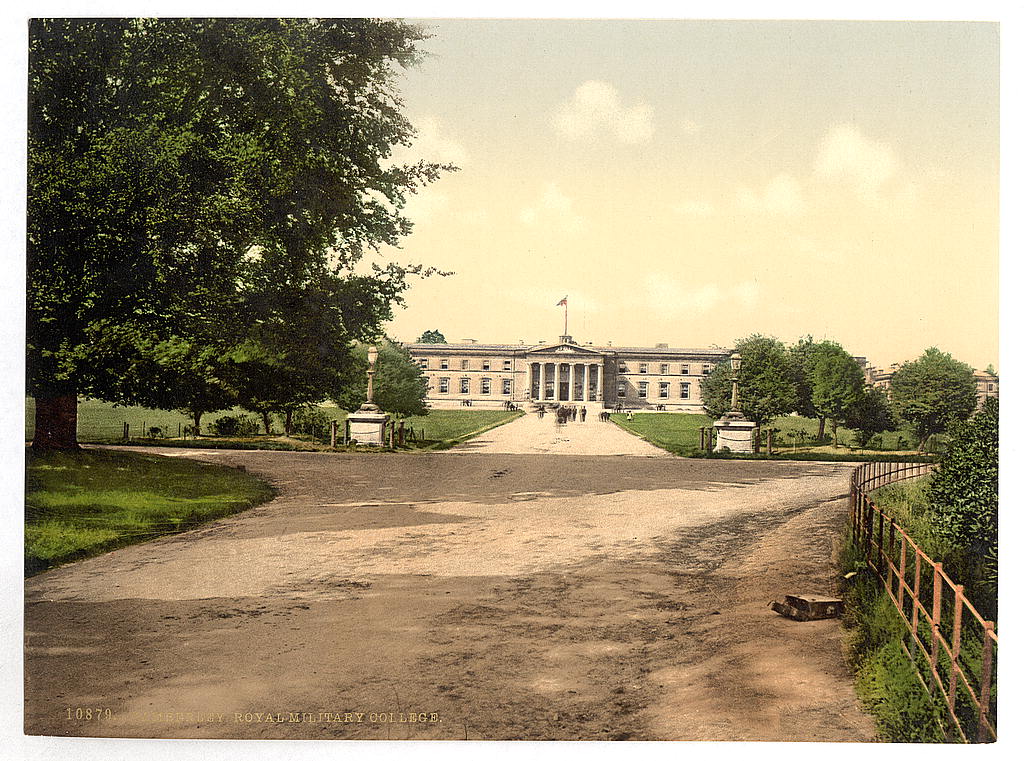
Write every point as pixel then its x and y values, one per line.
pixel 461 595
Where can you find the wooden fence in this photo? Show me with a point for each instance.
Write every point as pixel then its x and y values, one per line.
pixel 954 653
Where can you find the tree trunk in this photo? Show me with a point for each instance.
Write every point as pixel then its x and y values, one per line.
pixel 266 422
pixel 56 422
pixel 835 433
pixel 821 429
pixel 288 423
pixel 196 417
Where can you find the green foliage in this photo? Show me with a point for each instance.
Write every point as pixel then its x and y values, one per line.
pixel 766 384
pixel 837 384
pixel 964 490
pixel 83 503
pixel 432 337
pixel 932 392
pixel 884 678
pixel 177 166
pixel 869 415
pixel 234 425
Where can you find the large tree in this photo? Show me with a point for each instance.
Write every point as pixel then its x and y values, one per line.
pixel 167 155
pixel 766 384
pixel 432 337
pixel 932 392
pixel 869 415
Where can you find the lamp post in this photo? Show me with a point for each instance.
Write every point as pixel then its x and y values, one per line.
pixel 735 432
pixel 735 360
pixel 368 405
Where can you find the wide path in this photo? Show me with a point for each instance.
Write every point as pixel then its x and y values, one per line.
pixel 489 596
pixel 531 434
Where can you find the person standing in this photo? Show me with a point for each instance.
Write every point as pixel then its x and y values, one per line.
pixel 583 415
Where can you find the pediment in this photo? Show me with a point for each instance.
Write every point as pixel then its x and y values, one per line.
pixel 564 348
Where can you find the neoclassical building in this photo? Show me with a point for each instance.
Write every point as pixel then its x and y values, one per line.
pixel 490 375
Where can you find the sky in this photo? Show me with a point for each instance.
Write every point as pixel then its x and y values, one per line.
pixel 694 182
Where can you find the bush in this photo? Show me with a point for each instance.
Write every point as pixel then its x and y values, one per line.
pixel 310 420
pixel 964 491
pixel 234 425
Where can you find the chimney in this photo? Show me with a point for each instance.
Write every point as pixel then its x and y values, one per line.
pixel 660 346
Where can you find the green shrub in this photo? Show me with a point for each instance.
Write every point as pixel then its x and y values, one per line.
pixel 234 425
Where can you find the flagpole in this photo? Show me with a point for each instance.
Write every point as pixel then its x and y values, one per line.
pixel 565 330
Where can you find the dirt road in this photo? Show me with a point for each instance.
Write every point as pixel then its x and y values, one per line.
pixel 461 596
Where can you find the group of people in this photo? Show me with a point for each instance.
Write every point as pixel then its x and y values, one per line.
pixel 564 415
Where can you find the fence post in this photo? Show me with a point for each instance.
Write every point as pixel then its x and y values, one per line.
pixel 986 680
pixel 903 568
pixel 334 434
pixel 954 655
pixel 888 558
pixel 936 620
pixel 401 433
pixel 771 442
pixel 348 431
pixel 917 596
pixel 881 542
pixel 870 521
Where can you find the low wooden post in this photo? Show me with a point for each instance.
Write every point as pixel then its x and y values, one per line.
pixel 954 655
pixel 903 569
pixel 771 442
pixel 334 434
pixel 757 439
pixel 348 431
pixel 391 435
pixel 124 434
pixel 986 680
pixel 916 598
pixel 936 620
pixel 401 433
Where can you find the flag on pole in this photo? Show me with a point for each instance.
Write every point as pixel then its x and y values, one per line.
pixel 563 303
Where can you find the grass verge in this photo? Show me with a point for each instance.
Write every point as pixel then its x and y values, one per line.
pixel 84 503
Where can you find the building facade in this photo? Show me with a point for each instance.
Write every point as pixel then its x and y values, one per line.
pixel 986 383
pixel 565 372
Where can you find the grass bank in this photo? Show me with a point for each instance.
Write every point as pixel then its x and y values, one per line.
pixel 679 433
pixel 80 504
pixel 886 680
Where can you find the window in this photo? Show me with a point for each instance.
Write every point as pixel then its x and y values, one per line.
pixel 684 369
pixel 465 364
pixel 622 390
pixel 424 364
pixel 506 386
pixel 684 390
pixel 643 390
pixel 507 364
pixel 664 368
pixel 444 364
pixel 623 368
pixel 442 385
pixel 487 364
pixel 485 385
pixel 991 386
pixel 463 385
pixel 643 367
pixel 663 390
pixel 707 368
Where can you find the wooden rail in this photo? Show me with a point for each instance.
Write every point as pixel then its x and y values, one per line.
pixel 952 652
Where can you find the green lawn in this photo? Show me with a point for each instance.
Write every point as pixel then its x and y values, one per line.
pixel 83 503
pixel 103 422
pixel 679 433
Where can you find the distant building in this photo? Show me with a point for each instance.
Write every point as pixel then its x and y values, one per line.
pixel 491 375
pixel 987 384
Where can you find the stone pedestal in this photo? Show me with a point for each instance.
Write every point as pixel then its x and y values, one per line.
pixel 367 427
pixel 735 434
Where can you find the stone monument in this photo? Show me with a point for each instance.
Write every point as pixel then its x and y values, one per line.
pixel 735 432
pixel 366 425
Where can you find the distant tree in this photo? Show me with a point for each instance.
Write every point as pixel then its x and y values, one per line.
pixel 432 337
pixel 766 384
pixel 837 384
pixel 991 369
pixel 802 355
pixel 932 392
pixel 869 415
pixel 399 386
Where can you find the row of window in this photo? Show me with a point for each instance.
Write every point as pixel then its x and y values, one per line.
pixel 664 368
pixel 445 364
pixel 663 390
pixel 444 386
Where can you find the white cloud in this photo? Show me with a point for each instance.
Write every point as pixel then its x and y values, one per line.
pixel 431 144
pixel 782 195
pixel 693 208
pixel 671 297
pixel 596 108
pixel 553 210
pixel 846 156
